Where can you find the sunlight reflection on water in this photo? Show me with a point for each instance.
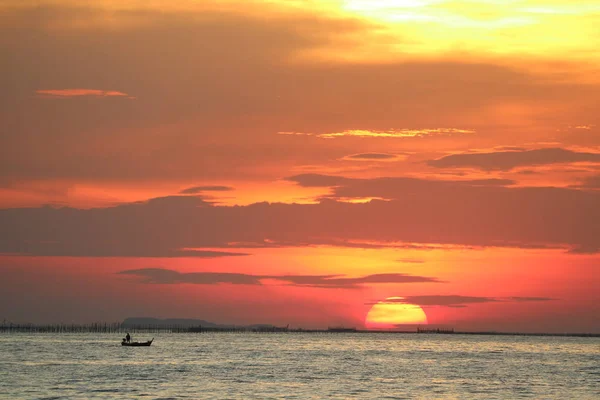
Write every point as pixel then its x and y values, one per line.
pixel 229 365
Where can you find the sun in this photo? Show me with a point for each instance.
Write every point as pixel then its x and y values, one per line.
pixel 392 312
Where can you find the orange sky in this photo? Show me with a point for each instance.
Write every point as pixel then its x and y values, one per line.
pixel 442 152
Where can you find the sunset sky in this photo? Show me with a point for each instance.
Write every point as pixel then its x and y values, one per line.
pixel 301 161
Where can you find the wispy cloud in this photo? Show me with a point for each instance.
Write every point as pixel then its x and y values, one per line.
pixel 384 187
pixel 202 253
pixel 392 133
pixel 410 261
pixel 200 189
pixel 373 157
pixel 457 301
pixel 591 182
pixel 64 93
pixel 507 160
pixel 585 127
pixel 585 249
pixel 526 299
pixel 167 276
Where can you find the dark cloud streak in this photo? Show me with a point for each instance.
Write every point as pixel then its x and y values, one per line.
pixel 166 276
pixel 200 189
pixel 507 160
pixel 371 156
pixel 458 301
pixel 591 182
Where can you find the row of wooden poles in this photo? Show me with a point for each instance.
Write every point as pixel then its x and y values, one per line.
pixel 117 327
pixel 87 328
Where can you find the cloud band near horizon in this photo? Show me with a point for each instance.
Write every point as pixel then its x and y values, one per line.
pixel 167 276
pixel 417 212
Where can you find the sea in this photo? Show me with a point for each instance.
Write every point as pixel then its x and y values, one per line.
pixel 298 366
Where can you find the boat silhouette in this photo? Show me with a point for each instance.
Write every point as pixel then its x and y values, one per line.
pixel 135 344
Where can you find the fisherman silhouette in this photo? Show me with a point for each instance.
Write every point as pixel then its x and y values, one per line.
pixel 127 338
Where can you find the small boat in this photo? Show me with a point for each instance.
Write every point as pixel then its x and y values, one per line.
pixel 125 343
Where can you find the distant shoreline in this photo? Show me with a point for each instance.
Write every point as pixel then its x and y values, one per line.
pixel 119 328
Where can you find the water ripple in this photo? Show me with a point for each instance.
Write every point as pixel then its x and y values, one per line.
pixel 294 366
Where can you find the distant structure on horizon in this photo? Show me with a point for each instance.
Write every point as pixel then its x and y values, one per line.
pixel 435 330
pixel 271 329
pixel 339 329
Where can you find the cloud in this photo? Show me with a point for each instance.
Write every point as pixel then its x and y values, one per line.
pixel 371 156
pixel 509 148
pixel 418 213
pixel 200 189
pixel 591 182
pixel 585 249
pixel 528 299
pixel 487 182
pixel 166 276
pixel 318 180
pixel 388 187
pixel 410 261
pixel 392 278
pixel 584 127
pixel 372 244
pixel 393 133
pixel 443 300
pixel 348 243
pixel 63 93
pixel 199 253
pixel 507 160
pixel 249 66
pixel 109 233
pixel 457 301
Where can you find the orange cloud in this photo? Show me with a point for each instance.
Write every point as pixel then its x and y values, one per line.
pixel 374 157
pixel 61 93
pixel 392 133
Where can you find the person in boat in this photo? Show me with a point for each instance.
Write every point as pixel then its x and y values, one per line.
pixel 127 338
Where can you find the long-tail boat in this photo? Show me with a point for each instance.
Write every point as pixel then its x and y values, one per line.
pixel 126 343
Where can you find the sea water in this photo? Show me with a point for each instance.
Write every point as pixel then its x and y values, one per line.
pixel 299 365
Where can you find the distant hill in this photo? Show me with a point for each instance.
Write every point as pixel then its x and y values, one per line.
pixel 180 323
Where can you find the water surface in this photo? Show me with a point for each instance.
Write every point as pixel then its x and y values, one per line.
pixel 295 365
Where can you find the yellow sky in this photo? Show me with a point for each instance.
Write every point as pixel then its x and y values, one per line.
pixel 550 28
pixel 557 37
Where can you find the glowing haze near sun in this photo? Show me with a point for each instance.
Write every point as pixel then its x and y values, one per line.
pixel 391 313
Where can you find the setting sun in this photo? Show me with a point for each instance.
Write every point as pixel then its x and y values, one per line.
pixel 392 312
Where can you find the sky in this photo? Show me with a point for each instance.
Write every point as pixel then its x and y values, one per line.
pixel 373 164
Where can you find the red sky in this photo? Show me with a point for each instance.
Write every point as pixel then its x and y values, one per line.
pixel 296 162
